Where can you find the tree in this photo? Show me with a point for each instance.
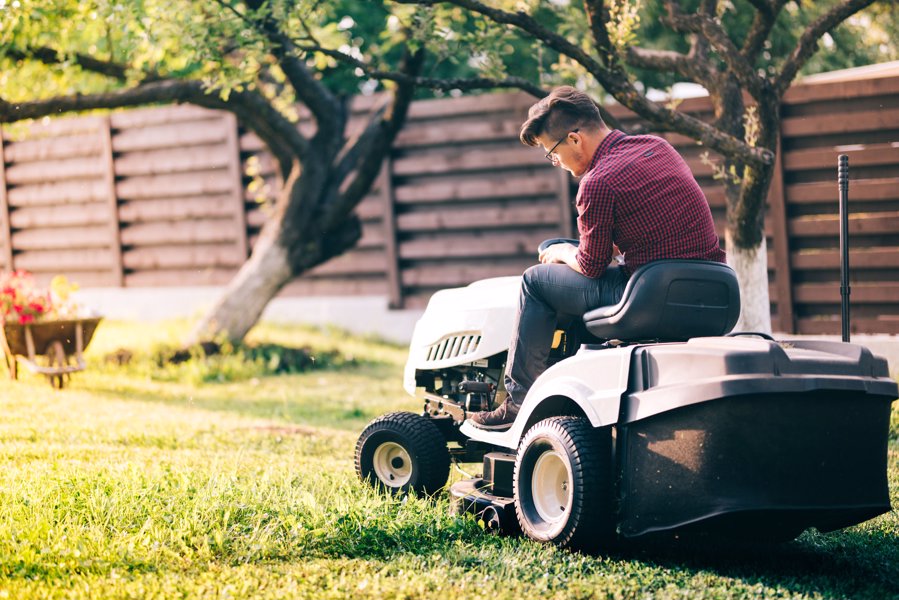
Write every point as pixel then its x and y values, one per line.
pixel 732 48
pixel 245 57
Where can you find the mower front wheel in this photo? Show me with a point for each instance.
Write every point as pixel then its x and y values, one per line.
pixel 403 452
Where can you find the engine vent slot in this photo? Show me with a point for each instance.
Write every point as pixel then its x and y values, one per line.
pixel 453 346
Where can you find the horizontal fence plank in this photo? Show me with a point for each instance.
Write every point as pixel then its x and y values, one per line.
pixel 51 239
pixel 868 224
pixel 174 185
pixel 169 209
pixel 183 257
pixel 358 286
pixel 87 144
pixel 371 208
pixel 834 327
pixel 841 90
pixel 454 274
pixel 84 279
pixel 859 190
pixel 65 192
pixel 861 293
pixel 372 236
pixel 67 259
pixel 352 264
pixel 474 160
pixel 465 246
pixel 54 170
pixel 172 160
pixel 65 215
pixel 826 158
pixel 178 232
pixel 170 136
pixel 178 277
pixel 161 115
pixel 479 218
pixel 456 132
pixel 61 127
pixel 472 189
pixel 854 122
pixel 859 258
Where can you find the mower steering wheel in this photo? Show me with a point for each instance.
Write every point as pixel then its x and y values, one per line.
pixel 760 334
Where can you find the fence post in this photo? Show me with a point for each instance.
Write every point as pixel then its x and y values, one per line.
pixel 235 174
pixel 394 281
pixel 780 237
pixel 115 238
pixel 4 211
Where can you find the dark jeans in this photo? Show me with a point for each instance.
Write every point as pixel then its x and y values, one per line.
pixel 552 294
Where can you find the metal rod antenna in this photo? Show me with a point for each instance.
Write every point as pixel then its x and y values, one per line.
pixel 843 178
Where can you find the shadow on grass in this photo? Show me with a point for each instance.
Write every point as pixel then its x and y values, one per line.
pixel 854 564
pixel 846 564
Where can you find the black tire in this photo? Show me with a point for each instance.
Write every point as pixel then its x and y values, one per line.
pixel 403 452
pixel 563 484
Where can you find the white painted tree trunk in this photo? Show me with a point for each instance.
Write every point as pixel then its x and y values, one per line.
pixel 751 266
pixel 242 302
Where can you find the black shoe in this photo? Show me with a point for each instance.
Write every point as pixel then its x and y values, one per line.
pixel 500 419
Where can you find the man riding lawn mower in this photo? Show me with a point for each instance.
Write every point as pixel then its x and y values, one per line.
pixel 620 408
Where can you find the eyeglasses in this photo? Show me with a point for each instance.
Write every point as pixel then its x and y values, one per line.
pixel 549 155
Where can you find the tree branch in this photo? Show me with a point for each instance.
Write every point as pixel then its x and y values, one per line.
pixel 319 100
pixel 620 86
pixel 376 142
pixel 761 27
pixel 49 56
pixel 526 23
pixel 149 93
pixel 712 30
pixel 660 60
pixel 808 41
pixel 458 83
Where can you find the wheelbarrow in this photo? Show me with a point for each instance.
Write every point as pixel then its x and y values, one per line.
pixel 52 348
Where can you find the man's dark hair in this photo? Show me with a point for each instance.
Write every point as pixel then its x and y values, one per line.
pixel 564 110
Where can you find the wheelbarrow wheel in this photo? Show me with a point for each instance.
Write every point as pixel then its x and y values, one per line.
pixel 56 359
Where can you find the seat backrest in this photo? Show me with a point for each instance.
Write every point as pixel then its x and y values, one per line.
pixel 671 300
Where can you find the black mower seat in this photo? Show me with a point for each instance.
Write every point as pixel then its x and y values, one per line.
pixel 671 300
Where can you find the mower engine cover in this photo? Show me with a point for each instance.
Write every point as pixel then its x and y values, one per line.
pixel 462 326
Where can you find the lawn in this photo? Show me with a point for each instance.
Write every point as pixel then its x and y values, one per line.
pixel 223 481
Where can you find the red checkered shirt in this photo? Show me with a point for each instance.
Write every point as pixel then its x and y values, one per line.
pixel 639 193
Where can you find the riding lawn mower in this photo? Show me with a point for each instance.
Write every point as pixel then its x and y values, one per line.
pixel 652 419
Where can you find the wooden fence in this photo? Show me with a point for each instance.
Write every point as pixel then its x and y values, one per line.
pixel 171 196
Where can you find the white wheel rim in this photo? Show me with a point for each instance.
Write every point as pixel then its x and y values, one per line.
pixel 392 464
pixel 551 488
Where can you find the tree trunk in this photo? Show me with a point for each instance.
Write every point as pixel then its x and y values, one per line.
pixel 249 292
pixel 751 266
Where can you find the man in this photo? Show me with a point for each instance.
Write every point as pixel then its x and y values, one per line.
pixel 636 193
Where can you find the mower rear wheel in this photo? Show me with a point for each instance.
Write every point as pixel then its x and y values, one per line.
pixel 403 452
pixel 563 484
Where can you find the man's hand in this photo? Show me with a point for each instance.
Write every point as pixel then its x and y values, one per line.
pixel 561 253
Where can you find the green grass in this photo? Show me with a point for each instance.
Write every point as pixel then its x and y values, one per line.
pixel 143 482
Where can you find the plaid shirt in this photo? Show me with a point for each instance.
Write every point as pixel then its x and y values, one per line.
pixel 639 193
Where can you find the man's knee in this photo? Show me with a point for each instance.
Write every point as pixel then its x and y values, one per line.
pixel 534 276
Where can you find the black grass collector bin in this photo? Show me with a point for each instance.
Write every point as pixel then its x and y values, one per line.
pixel 762 441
